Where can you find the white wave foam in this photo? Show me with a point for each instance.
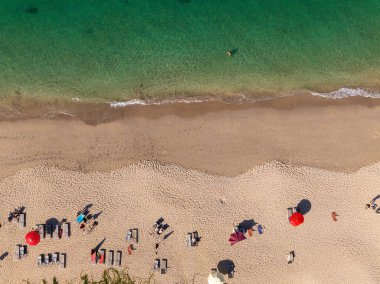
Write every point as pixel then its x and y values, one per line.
pixel 155 102
pixel 348 92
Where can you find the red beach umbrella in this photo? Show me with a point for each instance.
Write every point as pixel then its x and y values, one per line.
pixel 32 238
pixel 236 237
pixel 296 219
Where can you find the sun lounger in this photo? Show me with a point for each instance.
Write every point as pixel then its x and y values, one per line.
pixel 135 235
pixel 40 259
pixel 47 259
pixel 164 266
pixel 129 235
pixel 158 222
pixel 156 265
pixel 23 251
pixel 290 257
pixel 110 258
pixel 94 256
pixel 55 258
pixel 231 270
pixel 21 221
pixel 48 231
pixel 62 260
pixel 56 232
pixel 189 239
pixel 195 238
pixel 66 230
pixel 17 255
pixel 80 218
pixel 102 256
pixel 41 230
pixel 290 212
pixel 118 258
pixel 260 229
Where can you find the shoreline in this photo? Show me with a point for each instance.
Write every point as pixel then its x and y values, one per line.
pixel 217 138
pixel 19 107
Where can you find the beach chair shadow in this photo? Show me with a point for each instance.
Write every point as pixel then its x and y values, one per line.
pixel 304 206
pixel 96 216
pixel 168 235
pixel 4 255
pixel 100 244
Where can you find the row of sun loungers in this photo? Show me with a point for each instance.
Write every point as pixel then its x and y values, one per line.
pixel 159 227
pixel 161 265
pixel 192 239
pixel 132 235
pixel 54 231
pixel 52 259
pixel 20 252
pixel 100 257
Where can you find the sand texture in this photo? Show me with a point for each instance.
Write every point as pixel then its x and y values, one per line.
pixel 228 140
pixel 135 196
pixel 203 167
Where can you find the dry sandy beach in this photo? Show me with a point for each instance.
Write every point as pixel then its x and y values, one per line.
pixel 205 168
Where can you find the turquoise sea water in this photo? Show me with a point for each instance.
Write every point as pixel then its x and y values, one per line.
pixel 119 49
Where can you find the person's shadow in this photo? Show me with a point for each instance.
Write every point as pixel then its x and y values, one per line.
pixel 304 206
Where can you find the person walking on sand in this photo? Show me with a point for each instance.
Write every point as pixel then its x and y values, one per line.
pixel 333 215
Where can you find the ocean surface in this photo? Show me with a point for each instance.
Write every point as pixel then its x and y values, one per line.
pixel 120 50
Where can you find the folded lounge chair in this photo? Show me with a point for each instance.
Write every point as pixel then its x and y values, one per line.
pixel 23 251
pixel 290 212
pixel 17 255
pixel 56 232
pixel 164 266
pixel 135 235
pixel 102 256
pixel 48 231
pixel 129 235
pixel 94 256
pixel 62 260
pixel 41 230
pixel 40 259
pixel 55 258
pixel 290 257
pixel 118 258
pixel 21 221
pixel 156 265
pixel 66 230
pixel 110 258
pixel 189 239
pixel 195 239
pixel 47 259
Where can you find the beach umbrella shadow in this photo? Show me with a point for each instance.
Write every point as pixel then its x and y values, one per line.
pixel 247 224
pixel 53 222
pixel 224 265
pixel 304 206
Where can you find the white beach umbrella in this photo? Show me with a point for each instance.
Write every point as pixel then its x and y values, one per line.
pixel 215 278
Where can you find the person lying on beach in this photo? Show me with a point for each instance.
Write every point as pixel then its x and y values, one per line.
pixel 333 215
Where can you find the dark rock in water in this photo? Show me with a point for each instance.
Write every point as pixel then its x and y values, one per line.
pixel 31 10
pixel 184 1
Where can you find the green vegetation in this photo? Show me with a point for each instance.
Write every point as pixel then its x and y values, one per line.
pixel 109 276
